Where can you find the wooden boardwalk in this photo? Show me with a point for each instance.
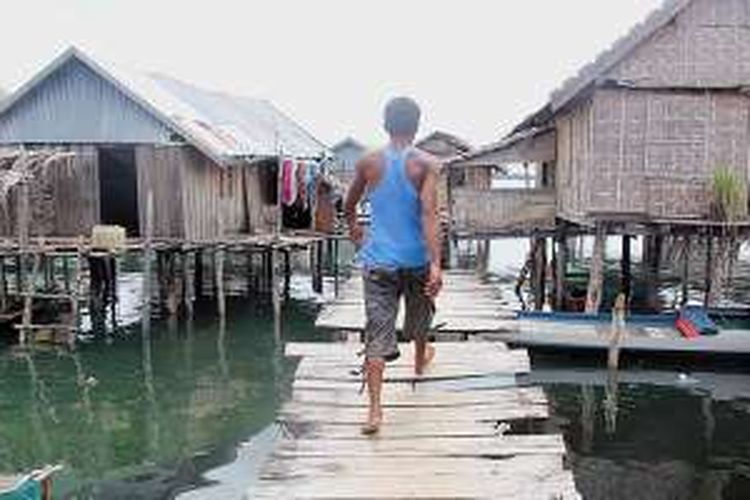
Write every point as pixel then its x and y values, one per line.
pixel 464 306
pixel 460 431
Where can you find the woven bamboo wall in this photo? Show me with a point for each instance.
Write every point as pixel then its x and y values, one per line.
pixel 708 45
pixel 574 174
pixel 499 210
pixel 654 152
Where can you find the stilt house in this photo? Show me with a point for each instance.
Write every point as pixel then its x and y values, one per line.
pixel 636 136
pixel 208 159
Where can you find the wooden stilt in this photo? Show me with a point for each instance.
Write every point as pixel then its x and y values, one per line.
pixel 219 267
pixel 710 294
pixel 336 268
pixel 538 272
pixel 188 285
pixel 596 277
pixel 198 273
pixel 147 258
pixel 561 269
pixel 287 273
pixel 318 267
pixel 276 295
pixel 685 274
pixel 249 271
pixel 626 274
pixel 27 300
pixel 651 258
pixel 3 286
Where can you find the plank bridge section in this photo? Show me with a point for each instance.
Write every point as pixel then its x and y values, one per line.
pixel 465 306
pixel 464 429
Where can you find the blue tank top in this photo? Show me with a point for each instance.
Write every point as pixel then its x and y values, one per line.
pixel 395 239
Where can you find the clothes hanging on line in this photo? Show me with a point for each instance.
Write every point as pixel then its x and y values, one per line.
pixel 300 174
pixel 288 182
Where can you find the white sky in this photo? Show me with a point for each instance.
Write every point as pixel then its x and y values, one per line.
pixel 477 67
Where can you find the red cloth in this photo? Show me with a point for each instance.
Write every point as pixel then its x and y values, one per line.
pixel 687 328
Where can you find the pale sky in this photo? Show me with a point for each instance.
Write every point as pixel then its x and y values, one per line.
pixel 477 67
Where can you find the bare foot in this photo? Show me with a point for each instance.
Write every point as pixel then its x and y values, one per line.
pixel 372 426
pixel 429 355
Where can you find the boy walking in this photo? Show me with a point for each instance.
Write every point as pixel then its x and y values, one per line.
pixel 400 251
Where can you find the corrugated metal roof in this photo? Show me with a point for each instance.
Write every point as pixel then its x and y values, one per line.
pixel 225 127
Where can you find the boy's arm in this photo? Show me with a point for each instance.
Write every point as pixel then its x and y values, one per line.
pixel 431 226
pixel 353 197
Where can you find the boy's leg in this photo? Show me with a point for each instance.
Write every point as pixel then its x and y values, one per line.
pixel 419 312
pixel 381 309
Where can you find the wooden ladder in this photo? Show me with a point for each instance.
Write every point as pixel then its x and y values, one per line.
pixel 27 328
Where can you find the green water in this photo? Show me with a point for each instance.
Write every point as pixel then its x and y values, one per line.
pixel 170 415
pixel 135 417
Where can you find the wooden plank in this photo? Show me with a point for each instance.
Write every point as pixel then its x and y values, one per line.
pixel 444 435
pixel 496 412
pixel 515 364
pixel 408 399
pixel 500 446
pixel 500 381
pixel 320 349
pixel 406 430
pixel 393 478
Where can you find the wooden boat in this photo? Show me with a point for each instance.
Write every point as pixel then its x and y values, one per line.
pixel 34 486
pixel 644 335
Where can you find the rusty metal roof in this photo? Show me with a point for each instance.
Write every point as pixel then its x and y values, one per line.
pixel 225 127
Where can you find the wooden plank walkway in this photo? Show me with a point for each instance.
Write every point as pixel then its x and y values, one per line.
pixel 445 435
pixel 466 305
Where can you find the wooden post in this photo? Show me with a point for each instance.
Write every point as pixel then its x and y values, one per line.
pixel 219 266
pixel 147 257
pixel 287 273
pixel 316 265
pixel 250 272
pixel 710 294
pixel 28 297
pixel 276 295
pixel 626 274
pixel 198 273
pixel 188 287
pixel 3 286
pixel 336 268
pixel 75 297
pixel 596 277
pixel 561 268
pixel 538 271
pixel 652 244
pixel 685 274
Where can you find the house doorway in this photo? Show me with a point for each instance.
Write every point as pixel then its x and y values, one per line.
pixel 118 188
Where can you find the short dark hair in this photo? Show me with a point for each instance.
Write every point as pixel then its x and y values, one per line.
pixel 402 116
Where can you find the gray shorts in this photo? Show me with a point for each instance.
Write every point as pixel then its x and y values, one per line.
pixel 383 291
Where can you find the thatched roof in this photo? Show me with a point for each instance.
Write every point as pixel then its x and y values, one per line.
pixel 590 75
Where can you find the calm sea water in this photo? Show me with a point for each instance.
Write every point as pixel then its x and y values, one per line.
pixel 187 412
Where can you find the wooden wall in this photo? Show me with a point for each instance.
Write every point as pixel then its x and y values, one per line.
pixel 160 172
pixel 192 193
pixel 64 202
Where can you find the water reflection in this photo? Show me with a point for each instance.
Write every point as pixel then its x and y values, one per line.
pixel 145 414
